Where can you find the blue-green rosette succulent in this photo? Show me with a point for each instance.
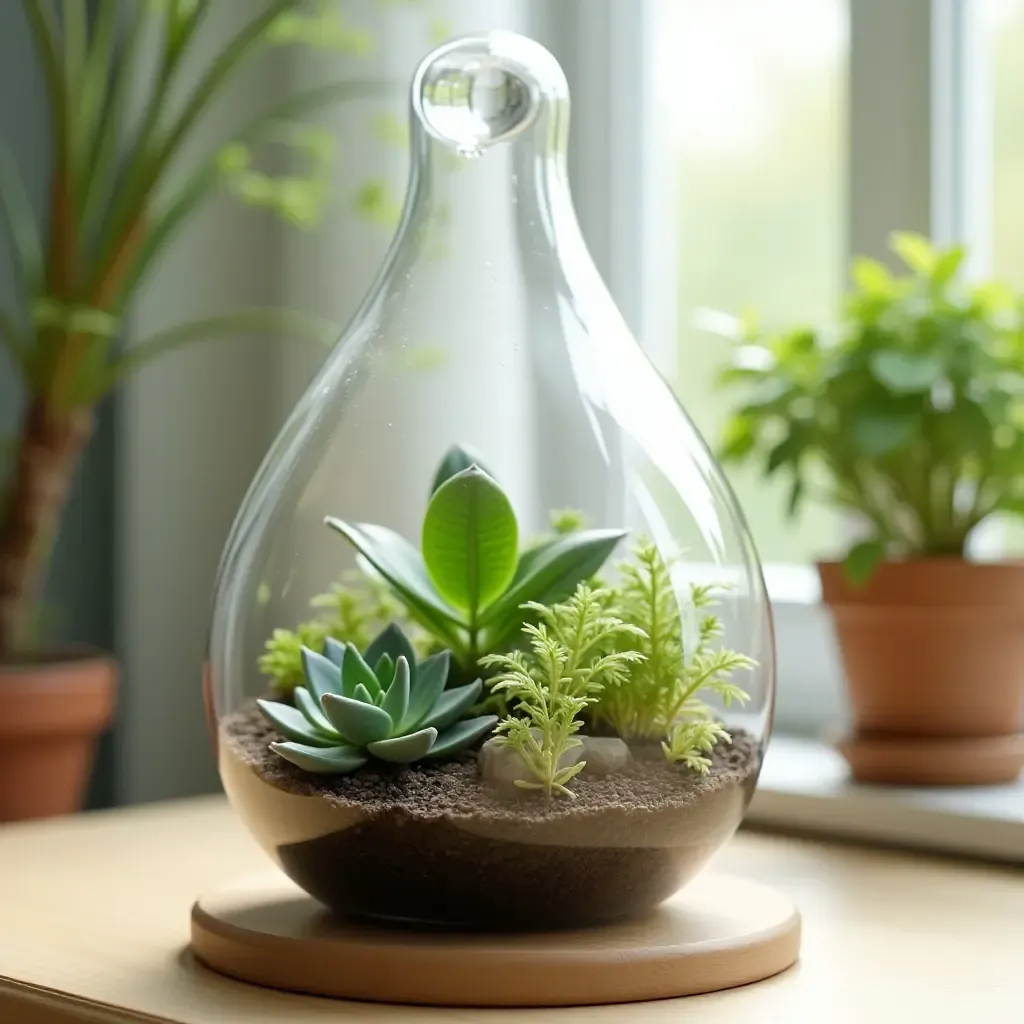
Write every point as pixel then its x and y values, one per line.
pixel 378 704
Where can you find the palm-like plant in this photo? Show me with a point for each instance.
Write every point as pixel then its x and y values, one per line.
pixel 111 214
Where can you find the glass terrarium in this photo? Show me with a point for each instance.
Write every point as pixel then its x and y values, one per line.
pixel 491 645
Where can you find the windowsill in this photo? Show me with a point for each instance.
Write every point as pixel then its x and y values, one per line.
pixel 804 787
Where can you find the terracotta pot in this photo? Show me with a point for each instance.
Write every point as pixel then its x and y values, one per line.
pixel 933 651
pixel 53 709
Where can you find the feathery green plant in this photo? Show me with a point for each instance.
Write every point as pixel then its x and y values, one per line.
pixel 469 583
pixel 660 698
pixel 381 703
pixel 570 660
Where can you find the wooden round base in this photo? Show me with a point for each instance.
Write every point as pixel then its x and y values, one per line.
pixel 927 761
pixel 717 933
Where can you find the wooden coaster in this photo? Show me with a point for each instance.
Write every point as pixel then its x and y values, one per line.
pixel 717 933
pixel 928 761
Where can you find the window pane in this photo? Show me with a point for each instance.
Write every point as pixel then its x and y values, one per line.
pixel 750 106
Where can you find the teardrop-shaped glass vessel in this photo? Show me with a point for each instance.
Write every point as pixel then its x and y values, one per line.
pixel 490 644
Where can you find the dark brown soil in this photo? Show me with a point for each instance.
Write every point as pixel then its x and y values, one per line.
pixel 435 845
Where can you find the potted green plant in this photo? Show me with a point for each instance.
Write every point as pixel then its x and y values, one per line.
pixel 525 724
pixel 910 417
pixel 112 211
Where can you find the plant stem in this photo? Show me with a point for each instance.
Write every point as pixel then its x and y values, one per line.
pixel 47 453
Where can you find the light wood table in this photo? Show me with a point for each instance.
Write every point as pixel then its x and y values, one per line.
pixel 94 924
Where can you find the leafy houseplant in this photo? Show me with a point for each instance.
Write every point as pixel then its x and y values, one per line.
pixel 111 214
pixel 910 416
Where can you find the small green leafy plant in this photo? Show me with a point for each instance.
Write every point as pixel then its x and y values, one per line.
pixel 661 699
pixel 910 414
pixel 572 657
pixel 352 612
pixel 381 704
pixel 469 583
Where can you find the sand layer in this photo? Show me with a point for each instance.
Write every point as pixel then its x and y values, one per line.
pixel 431 843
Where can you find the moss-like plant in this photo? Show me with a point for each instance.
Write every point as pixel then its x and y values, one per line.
pixel 570 660
pixel 469 583
pixel 660 699
pixel 353 612
pixel 381 703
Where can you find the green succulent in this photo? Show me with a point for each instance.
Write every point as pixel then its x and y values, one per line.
pixel 381 703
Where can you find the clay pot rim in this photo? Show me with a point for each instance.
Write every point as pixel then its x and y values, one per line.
pixel 55 658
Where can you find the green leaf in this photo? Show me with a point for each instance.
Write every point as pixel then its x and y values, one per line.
pixel 549 572
pixel 862 560
pixel 872 277
pixel 402 567
pixel 457 459
pixel 738 440
pixel 334 651
pixel 358 722
pixel 948 265
pixel 404 749
pixel 384 669
pixel 396 699
pixel 311 709
pixel 915 250
pixel 292 723
pixel 461 735
pixel 788 451
pixel 355 671
pixel 393 642
pixel 881 433
pixel 329 761
pixel 16 214
pixel 452 704
pixel 428 685
pixel 470 541
pixel 905 372
pixel 322 676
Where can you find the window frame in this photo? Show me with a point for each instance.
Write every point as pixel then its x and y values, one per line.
pixel 917 159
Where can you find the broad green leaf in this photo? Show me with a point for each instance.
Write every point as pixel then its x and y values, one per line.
pixel 862 560
pixel 426 688
pixel 948 264
pixel 549 572
pixel 452 704
pixel 738 440
pixel 322 676
pixel 788 451
pixel 396 699
pixel 355 671
pixel 393 642
pixel 401 565
pixel 404 749
pixel 311 709
pixel 457 459
pixel 905 372
pixel 292 723
pixel 461 735
pixel 915 251
pixel 881 433
pixel 323 761
pixel 871 276
pixel 358 722
pixel 470 541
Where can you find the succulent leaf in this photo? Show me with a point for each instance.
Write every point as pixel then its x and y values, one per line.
pixel 356 672
pixel 293 724
pixel 334 651
pixel 305 702
pixel 322 760
pixel 461 735
pixel 393 642
pixel 359 722
pixel 404 749
pixel 396 699
pixel 384 670
pixel 322 675
pixel 361 693
pixel 452 704
pixel 426 687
